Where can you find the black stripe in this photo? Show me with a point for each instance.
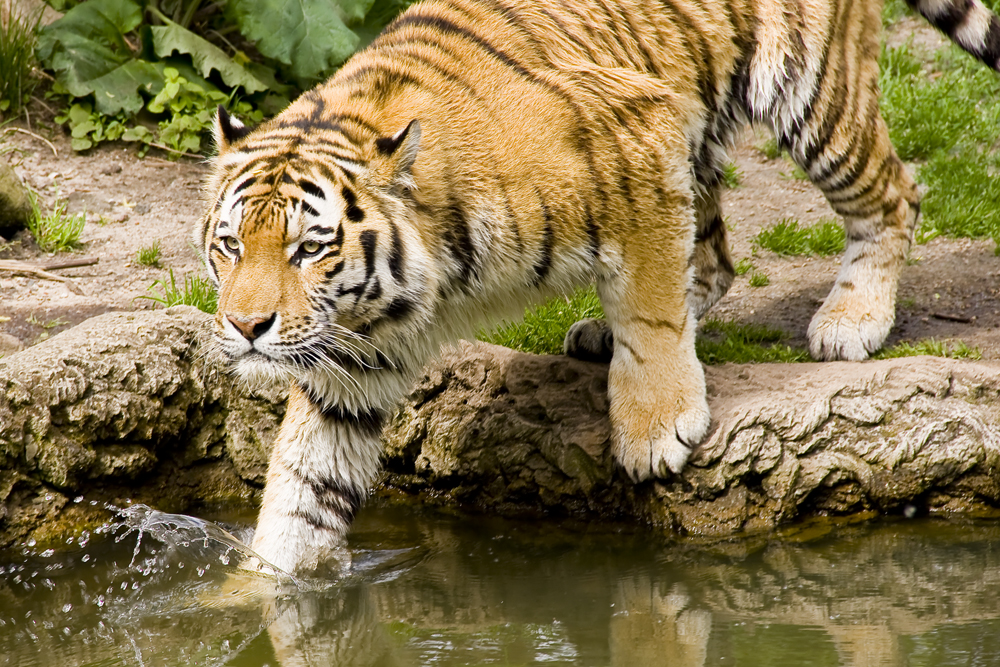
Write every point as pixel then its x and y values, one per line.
pixel 368 240
pixel 354 214
pixel 311 188
pixel 316 522
pixel 710 229
pixel 402 53
pixel 399 308
pixel 375 293
pixel 458 238
pixel 307 207
pixel 991 44
pixel 332 273
pixel 324 230
pixel 544 261
pixel 337 497
pixel 243 186
pixel 396 254
pixel 369 422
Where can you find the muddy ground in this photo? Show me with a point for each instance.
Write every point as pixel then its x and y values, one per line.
pixel 949 290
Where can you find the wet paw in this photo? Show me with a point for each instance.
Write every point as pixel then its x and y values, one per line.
pixel 590 340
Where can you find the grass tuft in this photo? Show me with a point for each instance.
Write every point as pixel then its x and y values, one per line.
pixel 759 279
pixel 744 266
pixel 731 175
pixel 930 347
pixel 786 237
pixel 543 328
pixel 197 292
pixel 721 342
pixel 963 195
pixel 18 38
pixel 149 255
pixel 55 231
pixel 770 149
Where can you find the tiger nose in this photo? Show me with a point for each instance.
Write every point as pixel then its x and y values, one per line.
pixel 253 328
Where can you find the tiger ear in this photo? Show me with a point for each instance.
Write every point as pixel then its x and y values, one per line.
pixel 392 164
pixel 227 130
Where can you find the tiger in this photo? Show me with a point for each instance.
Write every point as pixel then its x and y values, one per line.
pixel 480 156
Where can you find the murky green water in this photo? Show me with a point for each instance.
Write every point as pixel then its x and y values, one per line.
pixel 429 589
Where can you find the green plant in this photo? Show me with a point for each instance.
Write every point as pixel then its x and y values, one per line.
pixel 543 328
pixel 720 342
pixel 731 175
pixel 786 237
pixel 963 195
pixel 759 279
pixel 743 266
pixel 18 36
pixel 930 347
pixel 770 149
pixel 55 231
pixel 149 255
pixel 197 292
pixel 178 60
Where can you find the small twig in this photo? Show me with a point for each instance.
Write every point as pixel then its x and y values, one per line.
pixel 953 318
pixel 14 266
pixel 69 263
pixel 24 131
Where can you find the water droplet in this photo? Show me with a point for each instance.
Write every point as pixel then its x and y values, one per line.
pixel 224 558
pixel 86 558
pixel 78 499
pixel 180 565
pixel 100 600
pixel 48 553
pixel 66 631
pixel 201 571
pixel 32 542
pixel 67 608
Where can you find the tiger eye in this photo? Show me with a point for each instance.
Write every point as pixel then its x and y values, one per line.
pixel 231 243
pixel 310 247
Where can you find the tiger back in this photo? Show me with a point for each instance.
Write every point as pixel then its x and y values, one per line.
pixel 483 155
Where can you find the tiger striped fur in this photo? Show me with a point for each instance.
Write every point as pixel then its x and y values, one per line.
pixel 482 155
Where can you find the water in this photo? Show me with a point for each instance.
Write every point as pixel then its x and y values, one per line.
pixel 423 588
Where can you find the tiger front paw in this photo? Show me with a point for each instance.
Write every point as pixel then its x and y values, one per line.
pixel 666 446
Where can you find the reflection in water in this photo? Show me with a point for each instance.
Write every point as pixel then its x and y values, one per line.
pixel 426 589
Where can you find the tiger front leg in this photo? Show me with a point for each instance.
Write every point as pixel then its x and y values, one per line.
pixel 324 461
pixel 656 385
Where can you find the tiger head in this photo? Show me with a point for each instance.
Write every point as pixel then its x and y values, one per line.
pixel 315 258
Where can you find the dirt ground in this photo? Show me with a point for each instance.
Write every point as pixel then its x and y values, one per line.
pixel 949 290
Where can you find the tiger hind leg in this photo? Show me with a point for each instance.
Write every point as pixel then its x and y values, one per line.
pixel 713 265
pixel 870 188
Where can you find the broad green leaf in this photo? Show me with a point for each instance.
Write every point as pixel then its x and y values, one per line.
pixel 310 36
pixel 206 56
pixel 101 21
pixel 118 90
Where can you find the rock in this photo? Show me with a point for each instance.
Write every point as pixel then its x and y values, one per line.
pixel 129 406
pixel 15 202
pixel 125 407
pixel 503 431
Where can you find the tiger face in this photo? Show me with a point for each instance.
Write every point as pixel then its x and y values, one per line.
pixel 314 266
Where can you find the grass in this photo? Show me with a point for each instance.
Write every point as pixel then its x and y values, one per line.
pixel 770 149
pixel 55 231
pixel 743 266
pixel 930 347
pixel 197 292
pixel 786 237
pixel 731 175
pixel 759 279
pixel 149 255
pixel 943 112
pixel 723 342
pixel 18 38
pixel 543 328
